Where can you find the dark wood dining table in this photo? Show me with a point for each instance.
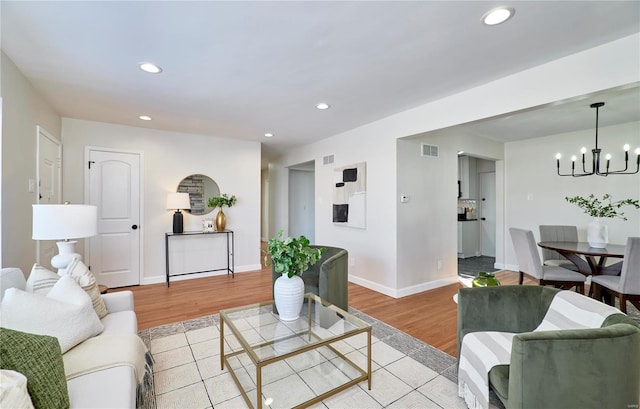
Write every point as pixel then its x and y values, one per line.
pixel 596 257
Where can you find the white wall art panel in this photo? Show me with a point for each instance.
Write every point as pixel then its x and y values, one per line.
pixel 350 195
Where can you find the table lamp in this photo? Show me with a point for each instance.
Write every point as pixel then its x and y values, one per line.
pixel 178 201
pixel 64 222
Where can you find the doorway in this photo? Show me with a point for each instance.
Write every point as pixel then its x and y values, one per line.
pixel 47 186
pixel 302 200
pixel 478 179
pixel 114 185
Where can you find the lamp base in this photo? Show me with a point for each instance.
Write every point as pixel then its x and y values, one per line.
pixel 177 222
pixel 66 253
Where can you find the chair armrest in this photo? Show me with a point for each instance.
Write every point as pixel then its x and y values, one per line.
pixel 334 280
pixel 515 309
pixel 584 368
pixel 119 301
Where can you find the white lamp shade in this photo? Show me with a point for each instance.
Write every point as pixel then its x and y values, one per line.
pixel 177 201
pixel 64 221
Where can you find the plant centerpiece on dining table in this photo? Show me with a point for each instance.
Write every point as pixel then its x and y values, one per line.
pixel 599 209
pixel 220 202
pixel 291 257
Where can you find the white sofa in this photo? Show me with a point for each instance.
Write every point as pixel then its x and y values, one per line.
pixel 114 387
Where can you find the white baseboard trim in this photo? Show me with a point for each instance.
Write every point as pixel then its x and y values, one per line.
pixel 402 292
pixel 372 285
pixel 163 278
pixel 502 266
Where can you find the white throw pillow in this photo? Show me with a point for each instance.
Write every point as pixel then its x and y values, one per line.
pixel 83 276
pixel 41 280
pixel 65 313
pixel 13 390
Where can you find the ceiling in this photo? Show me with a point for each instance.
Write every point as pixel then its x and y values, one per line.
pixel 239 69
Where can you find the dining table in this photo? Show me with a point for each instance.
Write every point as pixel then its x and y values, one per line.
pixel 595 257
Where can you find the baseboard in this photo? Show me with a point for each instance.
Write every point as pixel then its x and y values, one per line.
pixel 502 266
pixel 402 292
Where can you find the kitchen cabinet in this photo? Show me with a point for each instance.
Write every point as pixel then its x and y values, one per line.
pixel 467 175
pixel 468 239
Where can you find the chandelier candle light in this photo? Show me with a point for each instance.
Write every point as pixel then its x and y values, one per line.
pixel 595 160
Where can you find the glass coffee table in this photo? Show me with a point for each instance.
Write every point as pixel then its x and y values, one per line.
pixel 294 363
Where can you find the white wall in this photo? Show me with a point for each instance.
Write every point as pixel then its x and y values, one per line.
pixel 168 158
pixel 531 174
pixel 23 109
pixel 373 260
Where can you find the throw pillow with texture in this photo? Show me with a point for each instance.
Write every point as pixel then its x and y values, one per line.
pixel 41 280
pixel 39 358
pixel 65 313
pixel 83 276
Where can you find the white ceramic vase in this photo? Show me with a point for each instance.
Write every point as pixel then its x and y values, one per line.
pixel 597 233
pixel 288 294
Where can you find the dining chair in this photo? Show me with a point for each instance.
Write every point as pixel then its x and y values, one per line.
pixel 553 258
pixel 626 286
pixel 529 263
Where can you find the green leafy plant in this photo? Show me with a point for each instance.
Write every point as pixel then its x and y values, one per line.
pixel 291 255
pixel 220 201
pixel 602 207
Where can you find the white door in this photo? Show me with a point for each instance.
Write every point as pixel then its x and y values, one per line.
pixel 488 214
pixel 302 204
pixel 114 186
pixel 47 186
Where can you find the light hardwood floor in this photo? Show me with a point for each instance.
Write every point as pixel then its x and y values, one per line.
pixel 430 316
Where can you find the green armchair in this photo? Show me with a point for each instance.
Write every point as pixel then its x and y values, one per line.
pixel 585 368
pixel 328 278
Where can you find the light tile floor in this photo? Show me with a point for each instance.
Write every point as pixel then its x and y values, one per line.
pixel 406 372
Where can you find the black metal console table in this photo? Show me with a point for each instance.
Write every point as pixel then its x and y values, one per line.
pixel 230 250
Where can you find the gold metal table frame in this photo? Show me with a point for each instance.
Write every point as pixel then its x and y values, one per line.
pixel 311 335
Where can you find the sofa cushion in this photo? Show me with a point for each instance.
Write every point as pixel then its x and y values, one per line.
pixel 39 358
pixel 123 321
pixel 83 276
pixel 13 390
pixel 65 313
pixel 106 389
pixel 41 280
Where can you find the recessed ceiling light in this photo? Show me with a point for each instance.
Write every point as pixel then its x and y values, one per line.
pixel 322 105
pixel 145 117
pixel 498 15
pixel 268 135
pixel 149 67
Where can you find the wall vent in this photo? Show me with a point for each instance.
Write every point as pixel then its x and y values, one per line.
pixel 429 150
pixel 327 160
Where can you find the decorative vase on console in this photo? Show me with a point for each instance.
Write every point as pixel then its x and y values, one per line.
pixel 220 202
pixel 597 229
pixel 291 257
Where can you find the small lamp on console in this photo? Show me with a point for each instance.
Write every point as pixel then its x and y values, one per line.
pixel 177 202
pixel 64 222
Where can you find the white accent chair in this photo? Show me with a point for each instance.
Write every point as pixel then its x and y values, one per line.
pixel 529 263
pixel 626 286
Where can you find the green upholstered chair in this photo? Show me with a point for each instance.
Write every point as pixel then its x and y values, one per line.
pixel 585 368
pixel 328 278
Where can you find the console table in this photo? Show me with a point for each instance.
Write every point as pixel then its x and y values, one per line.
pixel 230 250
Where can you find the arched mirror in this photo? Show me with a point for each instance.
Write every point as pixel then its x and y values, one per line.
pixel 200 189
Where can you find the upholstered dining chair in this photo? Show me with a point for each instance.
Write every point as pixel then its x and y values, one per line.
pixel 626 286
pixel 529 263
pixel 553 258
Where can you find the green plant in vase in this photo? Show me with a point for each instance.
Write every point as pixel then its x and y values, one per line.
pixel 290 257
pixel 605 208
pixel 220 202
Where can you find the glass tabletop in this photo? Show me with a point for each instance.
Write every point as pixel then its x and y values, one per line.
pixel 261 333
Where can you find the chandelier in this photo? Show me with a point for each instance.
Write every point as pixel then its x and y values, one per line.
pixel 595 159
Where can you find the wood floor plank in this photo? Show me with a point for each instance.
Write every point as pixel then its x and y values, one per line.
pixel 430 316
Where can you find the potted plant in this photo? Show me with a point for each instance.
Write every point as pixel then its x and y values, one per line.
pixel 291 257
pixel 597 230
pixel 220 202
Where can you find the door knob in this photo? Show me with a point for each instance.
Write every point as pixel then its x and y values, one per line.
pixel 134 227
pixel 483 218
